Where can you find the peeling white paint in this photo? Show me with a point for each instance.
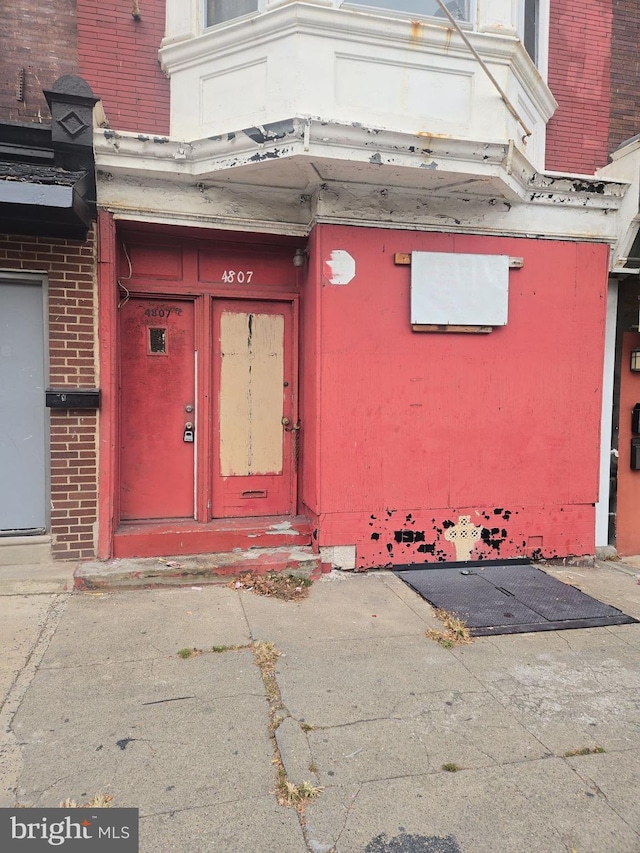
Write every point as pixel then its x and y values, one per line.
pixel 340 267
pixel 282 527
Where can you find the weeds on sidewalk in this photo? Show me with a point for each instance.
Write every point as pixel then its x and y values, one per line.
pixel 451 767
pixel 295 796
pixel 456 632
pixel 585 750
pixel 274 584
pixel 266 656
pixel 287 793
pixel 189 653
pixel 99 801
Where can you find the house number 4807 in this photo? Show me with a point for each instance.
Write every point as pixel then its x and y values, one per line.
pixel 237 276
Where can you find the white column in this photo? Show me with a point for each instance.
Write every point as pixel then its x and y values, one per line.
pixel 182 20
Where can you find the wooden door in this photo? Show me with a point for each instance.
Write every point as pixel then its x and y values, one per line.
pixel 254 409
pixel 157 402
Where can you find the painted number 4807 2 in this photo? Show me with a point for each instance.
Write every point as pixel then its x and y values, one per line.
pixel 237 276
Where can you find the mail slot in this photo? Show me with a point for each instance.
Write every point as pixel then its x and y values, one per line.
pixel 73 398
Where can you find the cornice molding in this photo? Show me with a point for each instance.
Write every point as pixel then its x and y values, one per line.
pixel 362 155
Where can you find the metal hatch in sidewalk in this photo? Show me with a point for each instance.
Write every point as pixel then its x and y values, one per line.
pixel 509 599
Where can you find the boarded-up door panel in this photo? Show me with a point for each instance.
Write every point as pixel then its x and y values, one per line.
pixel 253 370
pixel 157 385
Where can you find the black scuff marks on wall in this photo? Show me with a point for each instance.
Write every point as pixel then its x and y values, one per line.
pixel 408 536
pixel 493 538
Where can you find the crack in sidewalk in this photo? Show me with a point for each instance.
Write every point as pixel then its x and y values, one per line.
pixel 8 709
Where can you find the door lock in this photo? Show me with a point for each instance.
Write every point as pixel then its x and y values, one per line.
pixel 188 434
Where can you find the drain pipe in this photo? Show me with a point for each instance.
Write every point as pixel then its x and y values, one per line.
pixel 486 70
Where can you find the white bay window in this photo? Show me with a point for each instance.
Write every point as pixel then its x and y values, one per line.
pixel 394 66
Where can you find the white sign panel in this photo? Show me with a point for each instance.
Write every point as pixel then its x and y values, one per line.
pixel 459 290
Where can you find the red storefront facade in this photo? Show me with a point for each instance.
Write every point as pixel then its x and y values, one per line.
pixel 262 379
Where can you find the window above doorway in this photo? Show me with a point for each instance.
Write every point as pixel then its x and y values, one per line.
pixel 460 9
pixel 220 11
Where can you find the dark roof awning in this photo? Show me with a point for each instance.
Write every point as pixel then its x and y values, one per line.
pixel 45 201
pixel 47 172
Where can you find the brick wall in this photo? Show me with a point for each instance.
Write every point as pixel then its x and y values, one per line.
pixel 70 269
pixel 579 69
pixel 41 38
pixel 119 60
pixel 625 72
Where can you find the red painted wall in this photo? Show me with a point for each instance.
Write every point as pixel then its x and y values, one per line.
pixel 413 430
pixel 579 77
pixel 119 59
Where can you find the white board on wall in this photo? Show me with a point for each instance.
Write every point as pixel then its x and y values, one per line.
pixel 458 289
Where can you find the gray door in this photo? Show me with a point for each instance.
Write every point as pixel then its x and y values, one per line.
pixel 23 480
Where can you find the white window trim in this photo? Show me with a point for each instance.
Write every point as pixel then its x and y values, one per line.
pixel 543 34
pixel 398 13
pixel 265 5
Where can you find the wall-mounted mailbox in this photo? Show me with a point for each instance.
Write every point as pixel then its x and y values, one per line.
pixel 635 454
pixel 73 398
pixel 635 419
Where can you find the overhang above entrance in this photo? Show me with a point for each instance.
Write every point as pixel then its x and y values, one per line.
pixel 47 173
pixel 292 173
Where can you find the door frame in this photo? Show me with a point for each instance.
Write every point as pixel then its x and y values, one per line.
pixel 205 428
pixel 40 279
pixel 110 290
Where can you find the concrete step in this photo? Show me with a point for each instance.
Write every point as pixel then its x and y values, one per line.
pixel 197 569
pixel 186 537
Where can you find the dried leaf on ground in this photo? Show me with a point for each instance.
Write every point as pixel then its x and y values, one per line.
pixel 275 584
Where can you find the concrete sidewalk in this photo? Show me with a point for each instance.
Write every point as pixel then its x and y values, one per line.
pixel 364 708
